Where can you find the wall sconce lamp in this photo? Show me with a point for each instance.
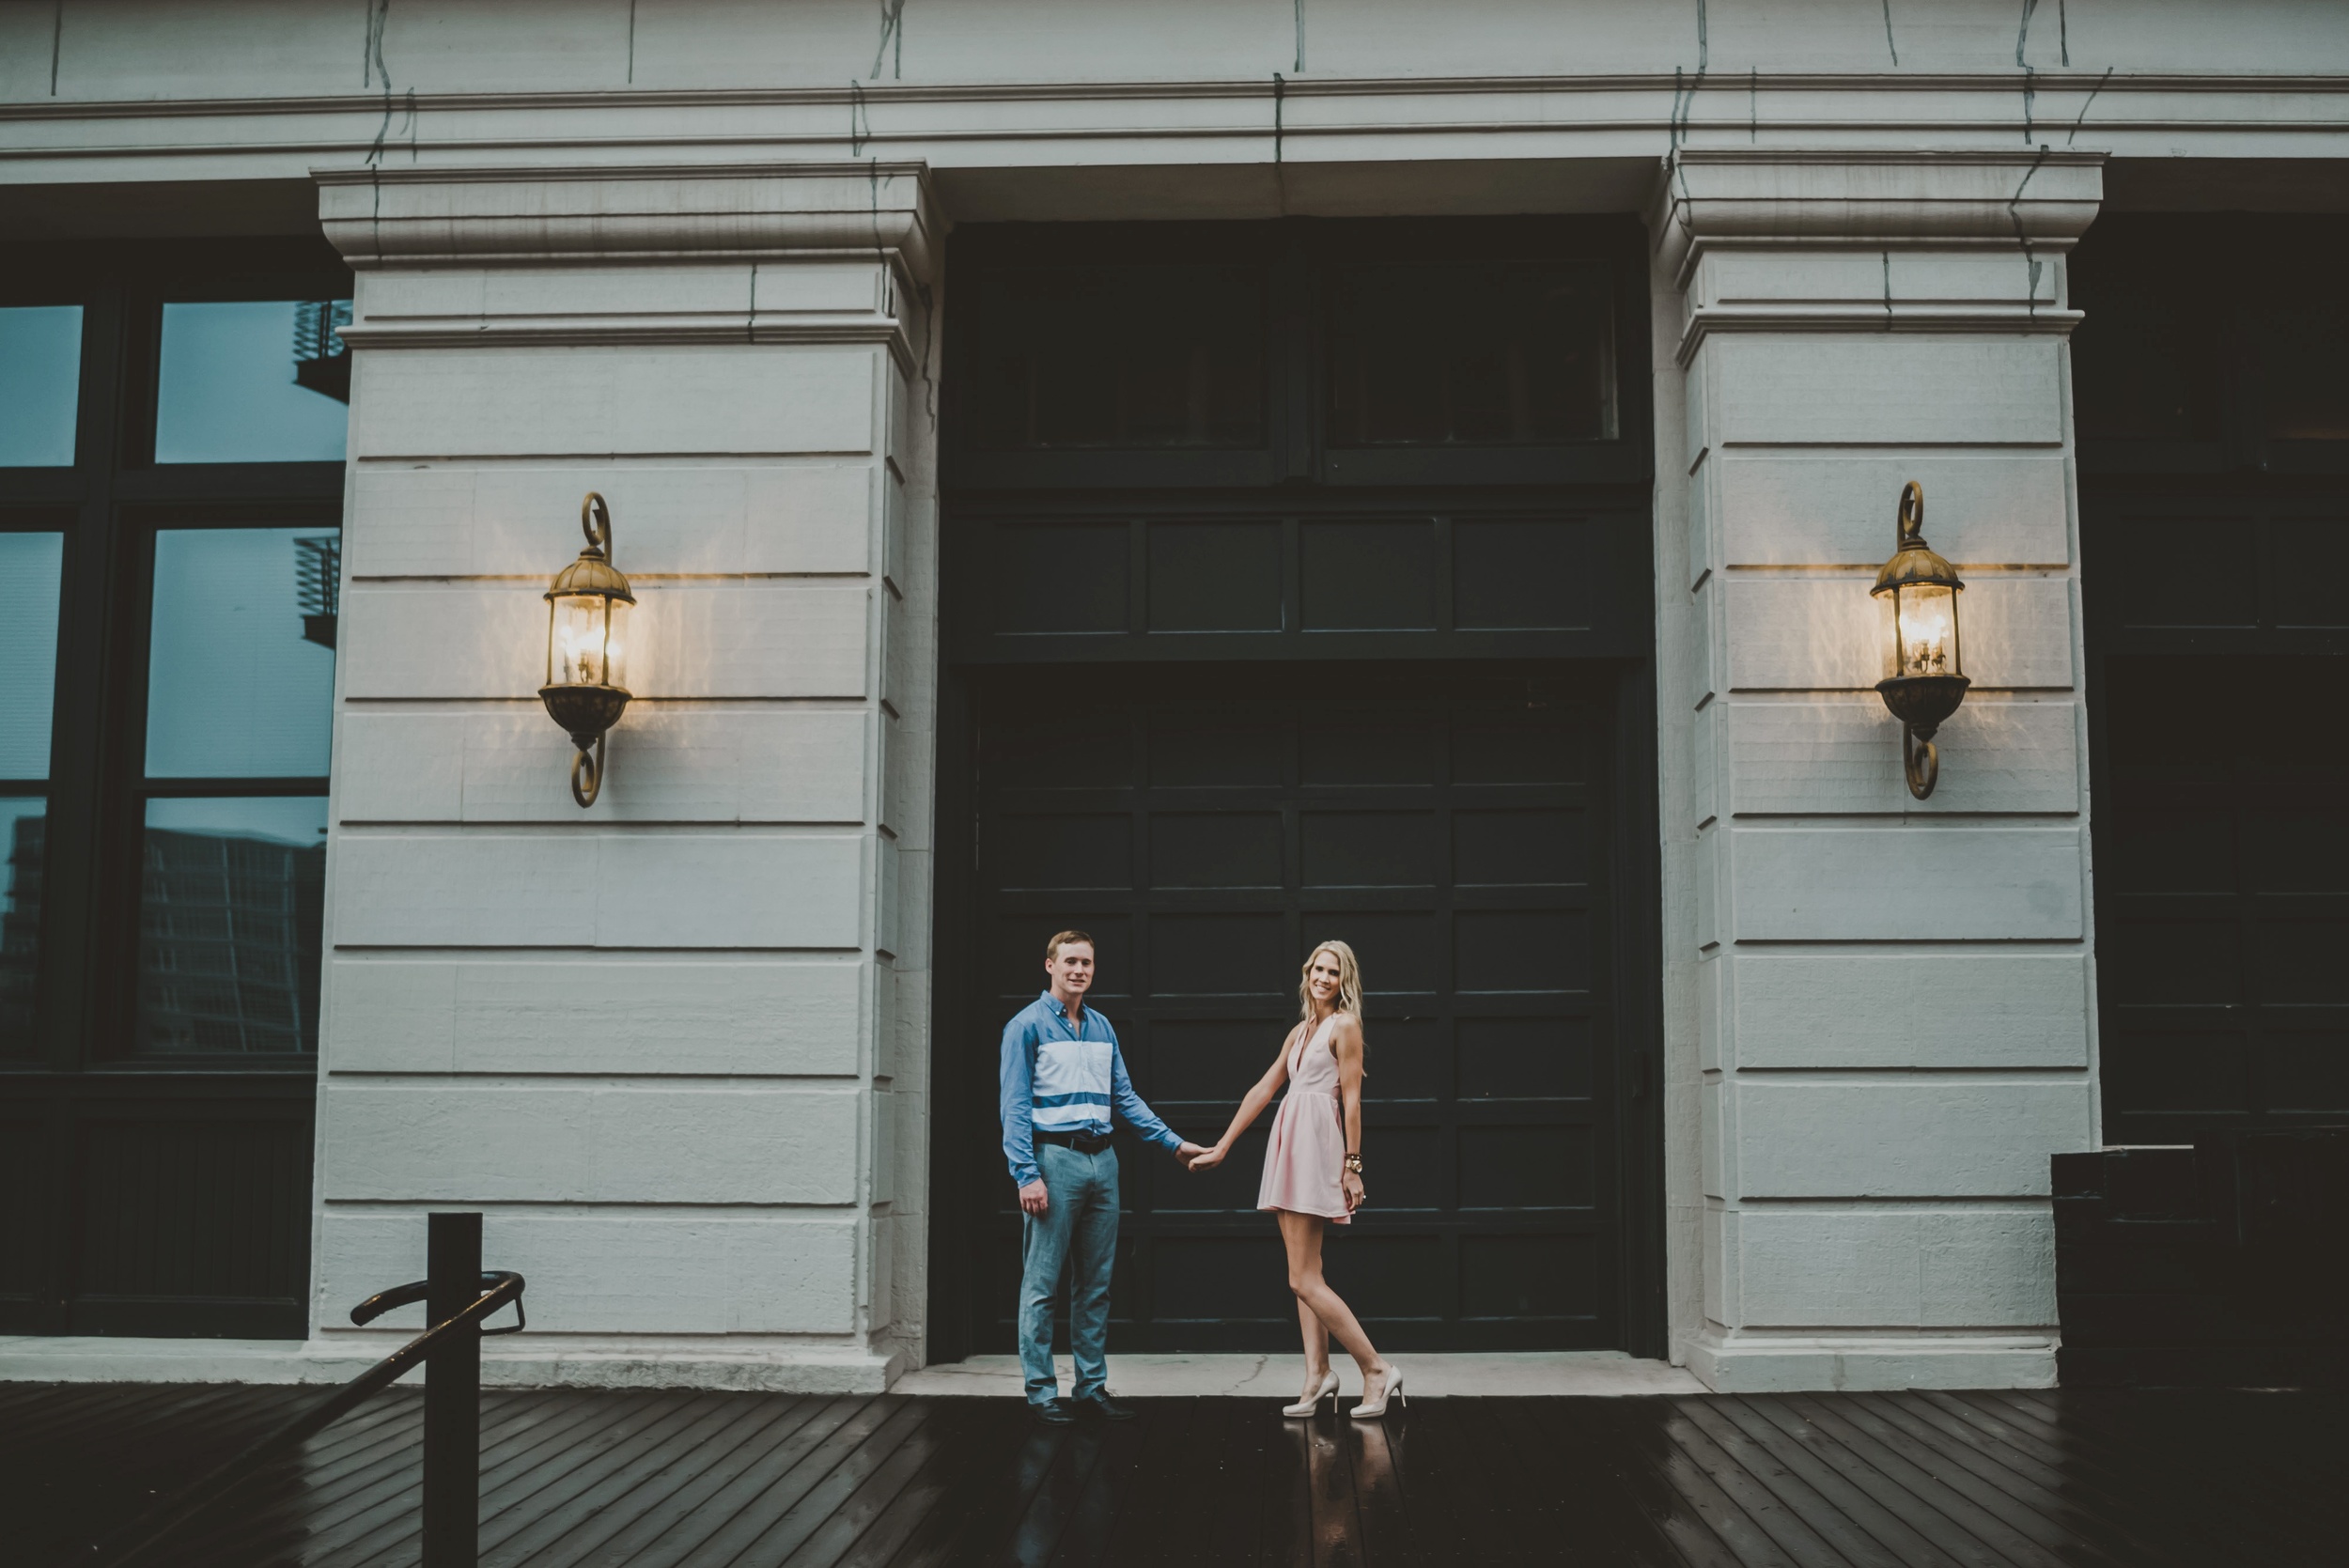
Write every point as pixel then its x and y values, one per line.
pixel 587 610
pixel 1924 679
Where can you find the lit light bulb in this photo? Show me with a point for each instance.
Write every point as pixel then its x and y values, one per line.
pixel 579 635
pixel 1925 631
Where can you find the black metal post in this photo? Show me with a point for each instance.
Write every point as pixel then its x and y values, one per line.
pixel 452 1397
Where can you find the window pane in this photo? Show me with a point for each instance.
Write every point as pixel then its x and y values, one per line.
pixel 40 384
pixel 2146 358
pixel 32 564
pixel 241 665
pixel 22 822
pixel 246 382
pixel 2302 349
pixel 230 899
pixel 1485 353
pixel 1121 356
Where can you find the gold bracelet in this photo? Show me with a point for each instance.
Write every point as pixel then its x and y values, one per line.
pixel 1354 1163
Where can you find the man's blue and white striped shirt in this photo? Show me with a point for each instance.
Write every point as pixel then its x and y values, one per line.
pixel 1056 1079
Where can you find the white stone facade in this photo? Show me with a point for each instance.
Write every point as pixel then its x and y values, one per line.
pixel 690 255
pixel 1891 995
pixel 658 1042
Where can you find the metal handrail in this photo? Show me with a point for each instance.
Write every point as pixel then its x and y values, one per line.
pixel 499 1286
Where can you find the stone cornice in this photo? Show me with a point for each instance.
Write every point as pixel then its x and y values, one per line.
pixel 2030 198
pixel 889 331
pixel 1844 319
pixel 379 217
pixel 2000 82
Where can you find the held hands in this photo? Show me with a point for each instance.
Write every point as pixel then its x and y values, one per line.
pixel 1197 1158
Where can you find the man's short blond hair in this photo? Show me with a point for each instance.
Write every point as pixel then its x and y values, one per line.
pixel 1061 939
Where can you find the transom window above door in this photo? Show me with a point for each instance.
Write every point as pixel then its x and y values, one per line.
pixel 1332 351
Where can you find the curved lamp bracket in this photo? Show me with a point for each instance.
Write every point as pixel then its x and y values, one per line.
pixel 1920 760
pixel 587 774
pixel 1910 517
pixel 595 520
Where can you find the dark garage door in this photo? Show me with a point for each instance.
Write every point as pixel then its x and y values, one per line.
pixel 2214 462
pixel 1207 826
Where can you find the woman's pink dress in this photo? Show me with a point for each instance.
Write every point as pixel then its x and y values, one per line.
pixel 1305 1159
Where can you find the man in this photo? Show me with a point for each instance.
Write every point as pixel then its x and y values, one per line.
pixel 1062 1077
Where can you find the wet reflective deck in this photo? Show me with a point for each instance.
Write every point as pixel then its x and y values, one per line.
pixel 677 1480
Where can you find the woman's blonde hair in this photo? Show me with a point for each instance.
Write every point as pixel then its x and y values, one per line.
pixel 1349 981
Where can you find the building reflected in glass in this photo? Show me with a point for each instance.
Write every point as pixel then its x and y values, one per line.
pixel 230 912
pixel 23 835
pixel 253 381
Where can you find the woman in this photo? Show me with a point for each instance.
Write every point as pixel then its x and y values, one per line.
pixel 1312 1168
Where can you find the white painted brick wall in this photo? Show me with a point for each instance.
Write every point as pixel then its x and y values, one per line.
pixel 475 1139
pixel 1957 1135
pixel 751 1018
pixel 715 399
pixel 1909 1010
pixel 1908 1268
pixel 595 1272
pixel 671 1044
pixel 1893 994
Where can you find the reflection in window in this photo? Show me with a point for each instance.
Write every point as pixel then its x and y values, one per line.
pixel 1482 353
pixel 253 381
pixel 32 565
pixel 240 668
pixel 40 384
pixel 231 896
pixel 1121 356
pixel 21 837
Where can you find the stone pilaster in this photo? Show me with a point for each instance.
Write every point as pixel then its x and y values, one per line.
pixel 674 1044
pixel 1890 998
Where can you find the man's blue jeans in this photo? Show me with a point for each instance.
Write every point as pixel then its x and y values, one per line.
pixel 1077 1232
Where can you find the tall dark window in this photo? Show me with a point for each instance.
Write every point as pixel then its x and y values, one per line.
pixel 1336 352
pixel 1137 355
pixel 1491 354
pixel 2213 441
pixel 2178 368
pixel 171 457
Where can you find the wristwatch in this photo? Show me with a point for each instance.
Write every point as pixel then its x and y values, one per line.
pixel 1354 1163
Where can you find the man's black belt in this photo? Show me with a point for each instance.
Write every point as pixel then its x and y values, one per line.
pixel 1084 1142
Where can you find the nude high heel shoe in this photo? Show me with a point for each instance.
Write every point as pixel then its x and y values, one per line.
pixel 1363 1410
pixel 1327 1390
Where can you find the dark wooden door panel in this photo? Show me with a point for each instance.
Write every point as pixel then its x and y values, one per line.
pixel 1207 826
pixel 1314 578
pixel 140 1204
pixel 2222 864
pixel 27 1206
pixel 194 1220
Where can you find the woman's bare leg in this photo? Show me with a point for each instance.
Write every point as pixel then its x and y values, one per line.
pixel 1315 1334
pixel 1301 1234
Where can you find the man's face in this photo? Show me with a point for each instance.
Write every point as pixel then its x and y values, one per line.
pixel 1071 970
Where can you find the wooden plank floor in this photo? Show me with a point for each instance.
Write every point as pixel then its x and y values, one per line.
pixel 2098 1479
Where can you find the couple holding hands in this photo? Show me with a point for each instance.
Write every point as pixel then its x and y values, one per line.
pixel 1064 1078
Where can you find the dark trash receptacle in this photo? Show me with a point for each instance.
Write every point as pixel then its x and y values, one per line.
pixel 2222 1264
